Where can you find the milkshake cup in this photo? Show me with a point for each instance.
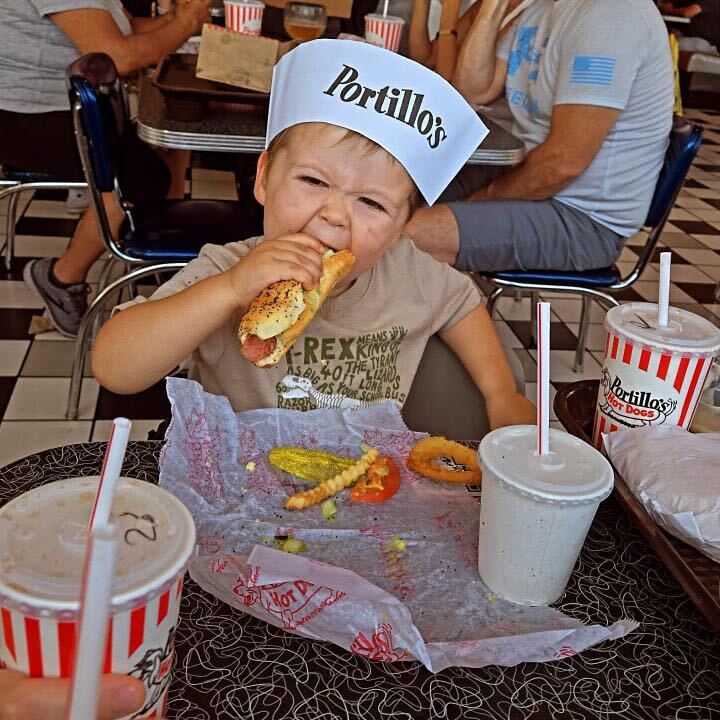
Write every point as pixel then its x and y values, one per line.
pixel 43 536
pixel 652 375
pixel 536 511
pixel 244 16
pixel 384 31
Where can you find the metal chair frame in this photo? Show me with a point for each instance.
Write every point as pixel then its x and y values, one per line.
pixel 12 189
pixel 601 294
pixel 91 320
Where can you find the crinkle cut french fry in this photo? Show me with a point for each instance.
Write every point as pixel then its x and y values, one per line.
pixel 344 479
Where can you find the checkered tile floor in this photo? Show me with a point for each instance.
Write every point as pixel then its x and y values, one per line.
pixel 34 370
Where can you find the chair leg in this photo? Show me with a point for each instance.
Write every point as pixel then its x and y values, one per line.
pixel 492 301
pixel 10 230
pixel 582 335
pixel 534 300
pixel 100 301
pixel 716 293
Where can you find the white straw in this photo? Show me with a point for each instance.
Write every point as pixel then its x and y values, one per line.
pixel 385 8
pixel 95 596
pixel 543 378
pixel 112 466
pixel 664 298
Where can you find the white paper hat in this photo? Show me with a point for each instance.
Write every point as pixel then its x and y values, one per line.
pixel 412 112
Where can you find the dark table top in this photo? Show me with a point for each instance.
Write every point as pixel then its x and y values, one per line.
pixel 231 665
pixel 241 128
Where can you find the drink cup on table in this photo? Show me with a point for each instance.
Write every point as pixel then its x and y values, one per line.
pixel 536 510
pixel 652 374
pixel 244 16
pixel 304 21
pixel 43 536
pixel 384 30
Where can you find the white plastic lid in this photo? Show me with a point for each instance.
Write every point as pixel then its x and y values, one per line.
pixel 573 472
pixel 43 535
pixel 685 331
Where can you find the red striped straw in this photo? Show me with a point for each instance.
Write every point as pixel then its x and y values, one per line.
pixel 543 378
pixel 664 292
pixel 95 597
pixel 112 466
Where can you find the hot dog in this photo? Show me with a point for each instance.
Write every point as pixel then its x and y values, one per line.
pixel 280 313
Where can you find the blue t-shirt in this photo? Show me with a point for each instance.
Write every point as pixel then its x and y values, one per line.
pixel 610 53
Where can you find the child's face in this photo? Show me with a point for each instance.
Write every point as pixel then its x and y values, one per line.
pixel 347 198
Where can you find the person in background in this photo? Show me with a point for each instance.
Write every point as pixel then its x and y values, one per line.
pixel 40 38
pixel 704 17
pixel 590 88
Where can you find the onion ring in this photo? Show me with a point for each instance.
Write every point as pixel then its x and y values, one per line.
pixel 422 460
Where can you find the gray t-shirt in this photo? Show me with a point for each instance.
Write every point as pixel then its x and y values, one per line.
pixel 35 52
pixel 365 344
pixel 610 53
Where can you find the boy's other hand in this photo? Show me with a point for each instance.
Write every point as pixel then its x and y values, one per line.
pixel 510 409
pixel 288 257
pixel 24 698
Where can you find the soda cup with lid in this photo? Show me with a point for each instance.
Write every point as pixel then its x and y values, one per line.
pixel 652 374
pixel 43 536
pixel 536 510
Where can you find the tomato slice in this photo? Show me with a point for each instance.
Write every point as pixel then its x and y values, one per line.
pixel 379 483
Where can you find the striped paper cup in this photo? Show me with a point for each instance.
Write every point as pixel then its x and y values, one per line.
pixel 384 31
pixel 42 545
pixel 244 17
pixel 652 375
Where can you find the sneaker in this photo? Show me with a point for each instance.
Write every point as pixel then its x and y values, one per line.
pixel 77 201
pixel 66 306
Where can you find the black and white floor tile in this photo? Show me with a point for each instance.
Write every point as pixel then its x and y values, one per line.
pixel 34 370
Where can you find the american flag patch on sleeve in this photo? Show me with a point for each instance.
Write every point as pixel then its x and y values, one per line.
pixel 592 70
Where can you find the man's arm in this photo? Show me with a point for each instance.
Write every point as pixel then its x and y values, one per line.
pixel 479 75
pixel 476 344
pixel 576 134
pixel 94 30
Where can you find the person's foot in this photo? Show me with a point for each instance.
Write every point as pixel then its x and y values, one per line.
pixel 77 201
pixel 66 304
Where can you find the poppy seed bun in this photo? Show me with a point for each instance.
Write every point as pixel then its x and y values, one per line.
pixel 277 311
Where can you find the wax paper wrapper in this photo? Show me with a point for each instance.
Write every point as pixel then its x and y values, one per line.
pixel 394 581
pixel 674 474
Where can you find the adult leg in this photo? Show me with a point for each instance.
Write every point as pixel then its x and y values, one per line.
pixel 86 245
pixel 514 235
pixel 177 162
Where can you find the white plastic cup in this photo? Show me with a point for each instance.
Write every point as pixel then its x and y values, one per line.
pixel 384 31
pixel 43 536
pixel 244 16
pixel 652 375
pixel 536 511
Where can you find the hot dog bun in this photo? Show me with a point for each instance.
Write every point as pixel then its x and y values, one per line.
pixel 283 310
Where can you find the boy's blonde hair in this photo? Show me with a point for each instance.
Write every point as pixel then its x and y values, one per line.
pixel 364 145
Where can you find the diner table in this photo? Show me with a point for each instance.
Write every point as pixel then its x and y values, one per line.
pixel 231 665
pixel 240 128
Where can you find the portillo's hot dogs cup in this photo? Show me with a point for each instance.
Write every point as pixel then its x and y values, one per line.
pixel 536 510
pixel 244 16
pixel 385 31
pixel 652 375
pixel 43 535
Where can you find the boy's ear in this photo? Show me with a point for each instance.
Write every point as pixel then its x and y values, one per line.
pixel 261 178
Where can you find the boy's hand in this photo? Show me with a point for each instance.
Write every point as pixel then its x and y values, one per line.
pixel 289 257
pixel 510 409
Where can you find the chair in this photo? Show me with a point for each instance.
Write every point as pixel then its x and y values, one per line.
pixel 459 411
pixel 13 183
pixel 159 238
pixel 601 284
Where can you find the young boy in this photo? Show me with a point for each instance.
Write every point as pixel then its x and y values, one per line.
pixel 323 184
